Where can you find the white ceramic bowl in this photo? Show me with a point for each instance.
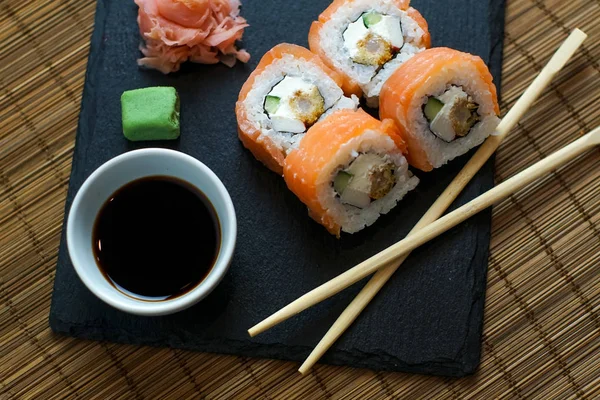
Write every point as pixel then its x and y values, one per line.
pixel 119 171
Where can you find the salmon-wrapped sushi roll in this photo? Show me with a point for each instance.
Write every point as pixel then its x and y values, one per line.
pixel 286 94
pixel 444 103
pixel 367 40
pixel 349 169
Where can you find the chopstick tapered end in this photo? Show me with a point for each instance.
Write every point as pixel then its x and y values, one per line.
pixel 567 49
pixel 262 326
pixel 315 355
pixel 304 368
pixel 579 33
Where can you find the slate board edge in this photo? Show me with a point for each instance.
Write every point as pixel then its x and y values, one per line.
pixel 474 337
pixel 287 353
pixel 87 103
pixel 468 365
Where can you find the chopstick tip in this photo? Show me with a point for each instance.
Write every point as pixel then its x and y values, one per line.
pixel 580 33
pixel 303 369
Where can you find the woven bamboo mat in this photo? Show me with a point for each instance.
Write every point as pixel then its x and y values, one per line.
pixel 542 329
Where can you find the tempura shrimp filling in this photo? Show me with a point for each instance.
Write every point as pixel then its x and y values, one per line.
pixel 294 105
pixel 289 96
pixel 380 178
pixel 452 114
pixel 368 40
pixel 374 38
pixel 459 85
pixel 368 177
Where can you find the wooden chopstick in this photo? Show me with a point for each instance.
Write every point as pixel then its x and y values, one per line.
pixel 391 254
pixel 436 228
pixel 368 292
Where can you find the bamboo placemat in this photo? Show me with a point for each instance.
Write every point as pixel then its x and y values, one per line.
pixel 542 326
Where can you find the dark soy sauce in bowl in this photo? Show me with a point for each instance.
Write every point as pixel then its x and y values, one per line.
pixel 156 238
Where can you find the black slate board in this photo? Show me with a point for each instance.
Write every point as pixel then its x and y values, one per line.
pixel 428 319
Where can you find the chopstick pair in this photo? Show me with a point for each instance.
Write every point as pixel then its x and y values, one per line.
pixel 429 226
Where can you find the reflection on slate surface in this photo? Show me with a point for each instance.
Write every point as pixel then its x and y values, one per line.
pixel 428 319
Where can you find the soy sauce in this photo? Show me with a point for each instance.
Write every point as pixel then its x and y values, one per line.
pixel 156 238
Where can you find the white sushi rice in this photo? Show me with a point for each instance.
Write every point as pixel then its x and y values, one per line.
pixel 368 77
pixel 353 219
pixel 467 77
pixel 295 67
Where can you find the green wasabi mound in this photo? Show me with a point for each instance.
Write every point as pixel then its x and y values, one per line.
pixel 150 113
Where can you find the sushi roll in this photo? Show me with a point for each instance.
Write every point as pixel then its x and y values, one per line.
pixel 290 90
pixel 444 103
pixel 367 40
pixel 349 169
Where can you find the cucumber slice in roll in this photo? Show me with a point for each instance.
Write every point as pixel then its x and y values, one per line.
pixel 370 19
pixel 272 104
pixel 341 181
pixel 432 108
